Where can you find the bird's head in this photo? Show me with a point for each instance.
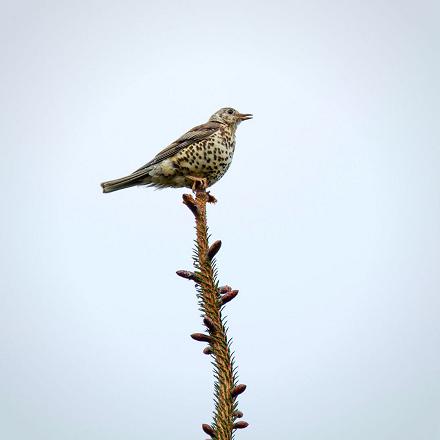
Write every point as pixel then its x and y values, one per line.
pixel 229 116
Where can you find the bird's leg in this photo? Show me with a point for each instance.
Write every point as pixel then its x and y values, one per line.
pixel 200 183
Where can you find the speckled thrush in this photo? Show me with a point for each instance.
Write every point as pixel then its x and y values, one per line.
pixel 202 155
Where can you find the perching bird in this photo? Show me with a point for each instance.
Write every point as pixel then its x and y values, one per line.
pixel 203 155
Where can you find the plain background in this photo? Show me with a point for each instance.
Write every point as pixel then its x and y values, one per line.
pixel 329 216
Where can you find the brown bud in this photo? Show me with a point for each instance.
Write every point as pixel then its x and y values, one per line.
pixel 238 414
pixel 187 274
pixel 240 425
pixel 229 296
pixel 224 289
pixel 207 350
pixel 208 429
pixel 201 337
pixel 214 248
pixel 189 201
pixel 211 199
pixel 238 389
pixel 209 323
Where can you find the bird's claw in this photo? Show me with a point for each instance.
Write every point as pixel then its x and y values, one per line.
pixel 199 183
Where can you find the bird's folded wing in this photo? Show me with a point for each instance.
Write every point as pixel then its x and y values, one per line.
pixel 194 135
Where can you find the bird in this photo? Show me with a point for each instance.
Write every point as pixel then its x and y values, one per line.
pixel 198 159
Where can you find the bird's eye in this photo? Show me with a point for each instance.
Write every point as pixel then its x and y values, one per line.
pixel 230 111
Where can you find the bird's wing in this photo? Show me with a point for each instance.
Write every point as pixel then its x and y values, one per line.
pixel 196 134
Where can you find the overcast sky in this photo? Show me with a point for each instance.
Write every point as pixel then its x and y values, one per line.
pixel 329 217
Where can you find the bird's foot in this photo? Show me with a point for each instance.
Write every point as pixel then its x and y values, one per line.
pixel 199 183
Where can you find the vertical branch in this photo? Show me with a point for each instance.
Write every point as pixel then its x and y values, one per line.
pixel 211 301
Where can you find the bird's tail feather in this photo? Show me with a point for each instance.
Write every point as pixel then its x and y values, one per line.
pixel 123 182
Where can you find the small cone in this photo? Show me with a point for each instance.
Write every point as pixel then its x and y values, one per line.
pixel 187 275
pixel 189 201
pixel 208 429
pixel 209 323
pixel 240 425
pixel 229 296
pixel 201 337
pixel 238 390
pixel 214 248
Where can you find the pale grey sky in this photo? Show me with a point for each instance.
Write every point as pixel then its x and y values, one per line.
pixel 329 217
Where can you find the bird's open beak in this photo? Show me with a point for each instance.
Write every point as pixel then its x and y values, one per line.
pixel 244 116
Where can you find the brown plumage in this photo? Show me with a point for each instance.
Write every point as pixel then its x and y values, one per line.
pixel 204 153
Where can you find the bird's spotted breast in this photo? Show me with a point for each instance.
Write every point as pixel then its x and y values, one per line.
pixel 209 158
